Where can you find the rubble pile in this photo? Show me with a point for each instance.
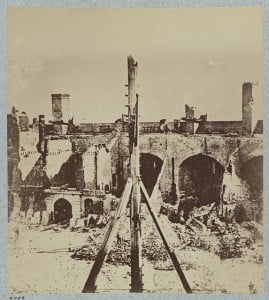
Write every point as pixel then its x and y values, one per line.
pixel 86 252
pixel 195 238
pixel 153 248
pixel 89 250
pixel 234 240
pixel 120 254
pixel 228 240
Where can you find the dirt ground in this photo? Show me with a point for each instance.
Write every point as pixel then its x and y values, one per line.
pixel 56 272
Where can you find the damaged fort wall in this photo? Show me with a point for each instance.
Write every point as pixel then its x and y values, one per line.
pixel 180 148
pixel 224 150
pixel 101 162
pixel 119 163
pixel 72 196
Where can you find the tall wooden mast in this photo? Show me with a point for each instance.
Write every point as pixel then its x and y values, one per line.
pixel 134 170
pixel 133 190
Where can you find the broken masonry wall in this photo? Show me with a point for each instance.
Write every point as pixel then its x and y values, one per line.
pixel 104 175
pixel 89 165
pixel 16 205
pixel 83 168
pixel 250 148
pixel 28 151
pixel 73 197
pixel 216 147
pixel 58 153
pixel 201 176
pixel 71 173
pixel 220 127
pixel 82 143
pixel 39 177
pixel 247 103
pixel 97 127
pixel 119 163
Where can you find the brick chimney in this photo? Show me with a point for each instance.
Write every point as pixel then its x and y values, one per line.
pixel 247 102
pixel 60 107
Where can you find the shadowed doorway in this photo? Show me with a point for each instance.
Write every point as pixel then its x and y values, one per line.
pixel 201 176
pixel 62 210
pixel 150 167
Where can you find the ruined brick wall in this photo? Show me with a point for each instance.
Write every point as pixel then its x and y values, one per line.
pixel 89 165
pixel 13 144
pixel 73 197
pixel 31 162
pixel 119 163
pixel 60 107
pixel 247 101
pixel 97 127
pixel 181 147
pixel 97 168
pixel 250 148
pixel 104 172
pixel 23 122
pixel 70 173
pixel 82 142
pixel 28 151
pixel 222 127
pixel 59 152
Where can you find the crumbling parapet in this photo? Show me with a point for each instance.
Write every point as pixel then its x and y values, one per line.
pixel 247 102
pixel 60 113
pixel 189 117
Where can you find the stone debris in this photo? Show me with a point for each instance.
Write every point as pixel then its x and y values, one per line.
pixel 86 252
pixel 189 247
pixel 153 248
pixel 120 254
pixel 227 240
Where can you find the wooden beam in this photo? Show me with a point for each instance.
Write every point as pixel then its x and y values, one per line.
pixel 169 249
pixel 90 285
pixel 135 225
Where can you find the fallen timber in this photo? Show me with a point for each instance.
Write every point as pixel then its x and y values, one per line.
pixel 90 285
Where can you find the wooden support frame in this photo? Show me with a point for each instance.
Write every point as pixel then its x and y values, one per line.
pixel 90 285
pixel 133 191
pixel 166 244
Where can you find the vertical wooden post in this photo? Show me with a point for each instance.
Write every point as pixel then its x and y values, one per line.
pixel 136 257
pixel 173 192
pixel 90 285
pixel 169 249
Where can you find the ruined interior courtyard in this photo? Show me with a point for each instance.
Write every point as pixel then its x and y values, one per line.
pixel 68 181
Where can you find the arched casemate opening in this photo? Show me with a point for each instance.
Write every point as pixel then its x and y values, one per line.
pixel 62 210
pixel 150 168
pixel 252 172
pixel 201 176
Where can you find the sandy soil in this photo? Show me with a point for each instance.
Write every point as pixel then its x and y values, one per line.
pixel 56 272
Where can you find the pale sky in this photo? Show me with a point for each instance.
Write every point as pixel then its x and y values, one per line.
pixel 195 56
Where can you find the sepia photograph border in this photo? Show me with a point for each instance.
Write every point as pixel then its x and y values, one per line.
pixel 4 4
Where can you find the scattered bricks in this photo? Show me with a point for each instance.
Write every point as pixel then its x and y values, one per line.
pixel 120 254
pixel 225 240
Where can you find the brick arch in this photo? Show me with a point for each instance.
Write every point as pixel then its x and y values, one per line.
pixel 158 154
pixel 201 175
pixel 211 156
pixel 150 168
pixel 62 209
pixel 252 171
pixel 55 198
pixel 251 155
